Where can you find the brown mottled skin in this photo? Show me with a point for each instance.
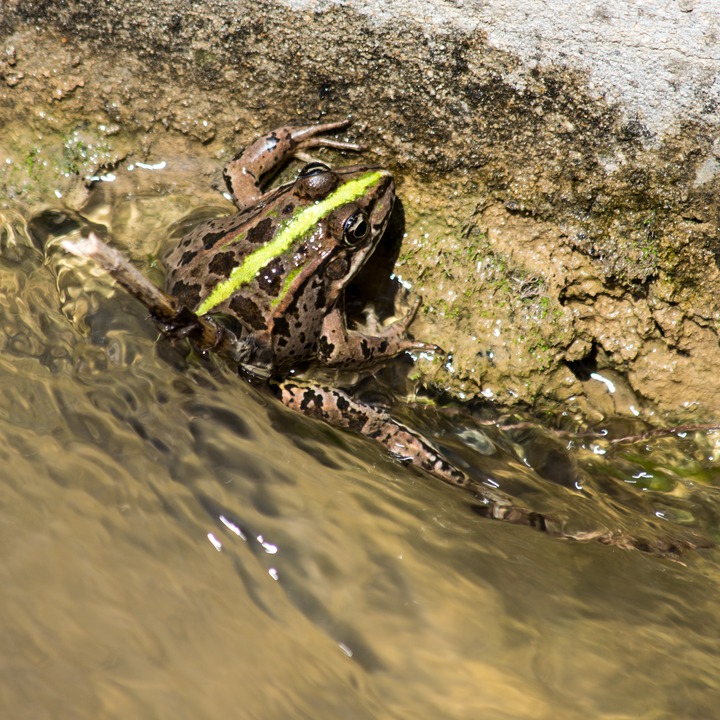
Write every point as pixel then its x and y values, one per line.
pixel 292 312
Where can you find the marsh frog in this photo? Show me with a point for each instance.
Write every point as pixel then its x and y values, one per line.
pixel 276 271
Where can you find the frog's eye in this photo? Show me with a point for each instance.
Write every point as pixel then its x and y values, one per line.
pixel 315 181
pixel 314 168
pixel 356 228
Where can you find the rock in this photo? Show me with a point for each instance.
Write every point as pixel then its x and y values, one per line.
pixel 557 165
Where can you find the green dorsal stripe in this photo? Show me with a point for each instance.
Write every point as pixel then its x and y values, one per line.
pixel 297 227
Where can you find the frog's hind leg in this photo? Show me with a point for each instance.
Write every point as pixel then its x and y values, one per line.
pixel 341 410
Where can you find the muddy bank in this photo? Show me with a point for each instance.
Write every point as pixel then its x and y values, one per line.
pixel 565 244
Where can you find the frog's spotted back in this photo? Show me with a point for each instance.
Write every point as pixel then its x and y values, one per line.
pixel 278 268
pixel 298 227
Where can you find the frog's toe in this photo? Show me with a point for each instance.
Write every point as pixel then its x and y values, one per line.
pixel 312 136
pixel 422 347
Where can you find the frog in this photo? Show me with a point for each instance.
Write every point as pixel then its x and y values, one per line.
pixel 265 288
pixel 275 272
pixel 277 269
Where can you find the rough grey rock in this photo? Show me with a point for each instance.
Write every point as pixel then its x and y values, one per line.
pixel 658 61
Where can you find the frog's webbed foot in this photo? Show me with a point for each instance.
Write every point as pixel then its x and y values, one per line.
pixel 308 137
pixel 243 174
pixel 204 333
pixel 404 323
pixel 339 347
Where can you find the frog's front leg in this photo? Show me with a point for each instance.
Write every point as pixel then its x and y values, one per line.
pixel 245 171
pixel 339 347
pixel 341 410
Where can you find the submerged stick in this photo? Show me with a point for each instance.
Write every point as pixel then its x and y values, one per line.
pixel 175 319
pixel 163 306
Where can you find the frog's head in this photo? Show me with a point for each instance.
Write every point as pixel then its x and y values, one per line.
pixel 344 214
pixel 319 229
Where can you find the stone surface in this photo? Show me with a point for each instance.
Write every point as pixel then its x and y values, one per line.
pixel 657 60
pixel 558 164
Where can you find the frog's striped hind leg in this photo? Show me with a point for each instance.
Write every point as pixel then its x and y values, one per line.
pixel 341 410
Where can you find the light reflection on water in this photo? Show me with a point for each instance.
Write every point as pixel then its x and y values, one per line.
pixel 177 545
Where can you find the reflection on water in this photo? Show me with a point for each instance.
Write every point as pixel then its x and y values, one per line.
pixel 178 545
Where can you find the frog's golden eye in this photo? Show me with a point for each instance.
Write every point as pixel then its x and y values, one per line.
pixel 314 168
pixel 356 228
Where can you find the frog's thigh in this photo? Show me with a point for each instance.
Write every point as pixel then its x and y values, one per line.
pixel 341 410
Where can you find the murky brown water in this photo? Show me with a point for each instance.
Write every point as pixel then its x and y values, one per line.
pixel 177 545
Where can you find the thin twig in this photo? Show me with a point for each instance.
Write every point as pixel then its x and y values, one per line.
pixel 175 318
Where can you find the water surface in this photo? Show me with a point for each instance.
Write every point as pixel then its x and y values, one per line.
pixel 178 545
